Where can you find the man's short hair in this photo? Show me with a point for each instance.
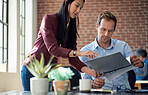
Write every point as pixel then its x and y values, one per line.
pixel 141 52
pixel 108 16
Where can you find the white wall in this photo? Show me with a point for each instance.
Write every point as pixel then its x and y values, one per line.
pixel 31 24
pixel 10 81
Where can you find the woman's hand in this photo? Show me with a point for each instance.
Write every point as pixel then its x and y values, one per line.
pixel 89 54
pixel 91 72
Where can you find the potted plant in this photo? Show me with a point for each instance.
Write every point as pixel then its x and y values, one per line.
pixel 39 85
pixel 60 77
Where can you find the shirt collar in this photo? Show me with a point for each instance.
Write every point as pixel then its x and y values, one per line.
pixel 96 43
pixel 110 47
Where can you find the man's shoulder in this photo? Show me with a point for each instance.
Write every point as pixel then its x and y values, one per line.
pixel 115 41
pixel 89 46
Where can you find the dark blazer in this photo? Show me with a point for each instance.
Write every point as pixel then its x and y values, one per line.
pixel 47 44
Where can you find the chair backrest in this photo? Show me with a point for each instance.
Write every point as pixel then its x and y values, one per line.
pixel 131 78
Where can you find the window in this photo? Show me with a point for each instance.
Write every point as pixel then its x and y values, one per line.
pixel 13 46
pixel 3 34
pixel 22 31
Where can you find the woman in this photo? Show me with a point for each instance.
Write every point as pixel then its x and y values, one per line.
pixel 57 36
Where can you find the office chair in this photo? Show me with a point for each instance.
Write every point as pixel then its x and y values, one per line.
pixel 131 78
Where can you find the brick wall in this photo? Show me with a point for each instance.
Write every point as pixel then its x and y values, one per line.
pixel 132 16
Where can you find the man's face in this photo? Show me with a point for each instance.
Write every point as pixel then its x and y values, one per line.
pixel 105 31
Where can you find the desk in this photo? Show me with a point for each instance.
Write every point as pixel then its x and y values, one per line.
pixel 139 82
pixel 71 93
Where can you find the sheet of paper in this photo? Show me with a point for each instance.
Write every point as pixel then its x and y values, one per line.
pixel 111 75
pixel 112 65
pixel 101 90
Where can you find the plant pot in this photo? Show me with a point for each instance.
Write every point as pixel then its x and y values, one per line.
pixel 39 86
pixel 61 87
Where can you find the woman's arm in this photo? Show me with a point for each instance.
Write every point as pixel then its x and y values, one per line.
pixel 89 71
pixel 89 54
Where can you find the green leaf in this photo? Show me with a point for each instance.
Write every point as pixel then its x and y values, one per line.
pixel 31 63
pixel 31 71
pixel 51 58
pixel 42 61
pixel 39 69
pixel 48 68
pixel 37 66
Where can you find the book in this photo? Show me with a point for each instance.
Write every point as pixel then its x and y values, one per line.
pixel 112 65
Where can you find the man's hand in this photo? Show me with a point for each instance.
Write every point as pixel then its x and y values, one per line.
pixel 98 83
pixel 136 61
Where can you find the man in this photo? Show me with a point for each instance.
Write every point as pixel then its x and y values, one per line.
pixel 104 45
pixel 142 54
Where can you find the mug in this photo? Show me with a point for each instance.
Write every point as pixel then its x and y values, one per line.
pixel 84 85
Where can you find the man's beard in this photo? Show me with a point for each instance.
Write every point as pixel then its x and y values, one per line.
pixel 106 41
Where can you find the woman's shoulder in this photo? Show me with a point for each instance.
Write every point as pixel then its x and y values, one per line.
pixel 51 16
pixel 49 20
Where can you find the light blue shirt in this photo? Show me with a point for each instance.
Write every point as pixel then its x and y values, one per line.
pixel 116 46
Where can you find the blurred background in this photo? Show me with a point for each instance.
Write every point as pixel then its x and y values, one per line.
pixel 20 21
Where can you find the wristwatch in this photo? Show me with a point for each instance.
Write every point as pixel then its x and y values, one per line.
pixel 74 53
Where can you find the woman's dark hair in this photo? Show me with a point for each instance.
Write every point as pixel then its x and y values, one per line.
pixel 67 27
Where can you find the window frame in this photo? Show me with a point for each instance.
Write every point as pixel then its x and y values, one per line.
pixel 22 30
pixel 30 30
pixel 4 44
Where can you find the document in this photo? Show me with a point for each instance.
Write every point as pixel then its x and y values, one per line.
pixel 112 65
pixel 101 90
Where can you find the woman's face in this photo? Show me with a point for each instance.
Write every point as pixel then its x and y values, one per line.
pixel 75 7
